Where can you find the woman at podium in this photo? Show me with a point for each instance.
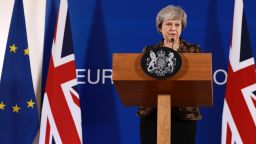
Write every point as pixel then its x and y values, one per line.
pixel 170 22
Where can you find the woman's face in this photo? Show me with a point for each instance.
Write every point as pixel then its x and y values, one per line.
pixel 171 29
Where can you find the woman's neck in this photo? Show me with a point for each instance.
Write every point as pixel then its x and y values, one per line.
pixel 172 44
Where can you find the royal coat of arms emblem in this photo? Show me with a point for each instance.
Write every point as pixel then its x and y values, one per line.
pixel 161 62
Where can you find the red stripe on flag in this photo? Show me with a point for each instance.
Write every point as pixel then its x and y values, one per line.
pixel 47 134
pixel 59 106
pixel 237 104
pixel 229 135
pixel 75 99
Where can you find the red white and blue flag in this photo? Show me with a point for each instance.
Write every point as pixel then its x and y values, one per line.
pixel 239 112
pixel 61 113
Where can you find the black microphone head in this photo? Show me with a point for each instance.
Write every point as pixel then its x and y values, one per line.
pixel 172 40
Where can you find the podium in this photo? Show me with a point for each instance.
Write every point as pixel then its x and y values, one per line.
pixel 191 86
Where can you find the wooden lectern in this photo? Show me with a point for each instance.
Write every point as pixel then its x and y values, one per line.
pixel 191 86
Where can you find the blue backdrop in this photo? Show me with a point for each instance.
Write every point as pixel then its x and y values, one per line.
pixel 103 27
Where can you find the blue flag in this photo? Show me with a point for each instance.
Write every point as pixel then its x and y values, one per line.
pixel 18 110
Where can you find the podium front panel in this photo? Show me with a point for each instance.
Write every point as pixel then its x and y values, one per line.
pixel 191 86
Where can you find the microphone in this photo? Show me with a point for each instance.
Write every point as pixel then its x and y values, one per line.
pixel 172 40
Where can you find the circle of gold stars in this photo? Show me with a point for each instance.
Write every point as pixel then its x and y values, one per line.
pixel 13 49
pixel 16 108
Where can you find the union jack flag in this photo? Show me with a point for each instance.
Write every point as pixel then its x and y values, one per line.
pixel 61 113
pixel 239 112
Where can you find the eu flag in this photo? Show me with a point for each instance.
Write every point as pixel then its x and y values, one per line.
pixel 18 109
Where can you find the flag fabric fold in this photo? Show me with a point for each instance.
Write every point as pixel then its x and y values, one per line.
pixel 61 113
pixel 239 111
pixel 18 109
